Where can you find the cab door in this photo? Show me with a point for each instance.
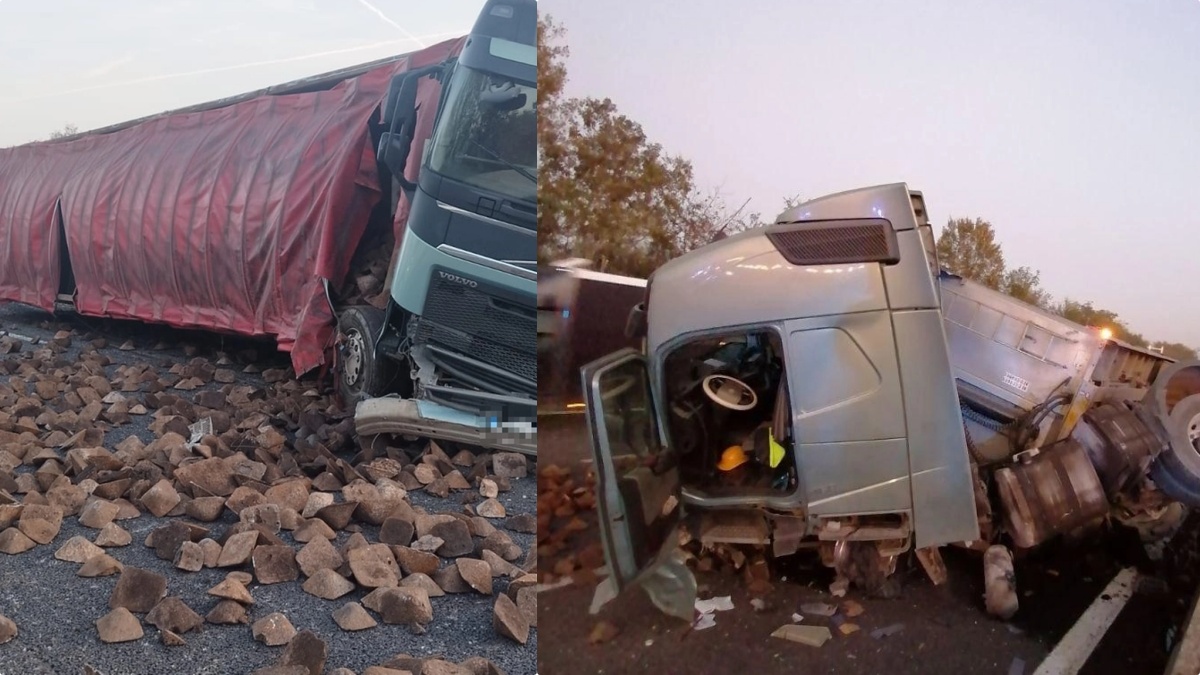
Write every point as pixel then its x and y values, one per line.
pixel 637 476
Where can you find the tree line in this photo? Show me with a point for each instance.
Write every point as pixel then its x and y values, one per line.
pixel 608 194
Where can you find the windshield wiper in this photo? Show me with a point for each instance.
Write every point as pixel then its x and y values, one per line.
pixel 505 162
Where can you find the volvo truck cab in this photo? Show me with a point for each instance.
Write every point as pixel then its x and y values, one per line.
pixel 795 386
pixel 454 353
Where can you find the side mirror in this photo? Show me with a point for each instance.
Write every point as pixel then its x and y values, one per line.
pixel 635 323
pixel 400 116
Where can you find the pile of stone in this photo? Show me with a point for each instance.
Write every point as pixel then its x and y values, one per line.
pixel 229 448
pixel 567 539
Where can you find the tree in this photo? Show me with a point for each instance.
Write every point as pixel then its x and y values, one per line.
pixel 1025 285
pixel 1086 314
pixel 605 191
pixel 969 249
pixel 67 130
pixel 1177 351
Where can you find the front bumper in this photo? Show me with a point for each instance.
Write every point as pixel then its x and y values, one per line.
pixel 392 415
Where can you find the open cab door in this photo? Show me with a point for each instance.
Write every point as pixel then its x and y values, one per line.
pixel 638 485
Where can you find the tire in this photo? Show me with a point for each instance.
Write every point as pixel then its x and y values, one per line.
pixel 360 375
pixel 1176 470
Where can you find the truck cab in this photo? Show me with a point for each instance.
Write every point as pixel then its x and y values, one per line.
pixel 795 385
pixel 453 355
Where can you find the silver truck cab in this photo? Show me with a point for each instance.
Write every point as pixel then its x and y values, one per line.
pixel 814 350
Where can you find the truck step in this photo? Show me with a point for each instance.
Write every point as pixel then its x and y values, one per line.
pixel 744 527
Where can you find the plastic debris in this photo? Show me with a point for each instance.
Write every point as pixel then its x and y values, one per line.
pixel 848 628
pixel 602 632
pixel 704 621
pixel 796 618
pixel 758 604
pixel 887 631
pixel 813 636
pixel 1013 629
pixel 852 608
pixel 818 608
pixel 1017 667
pixel 839 587
pixel 721 604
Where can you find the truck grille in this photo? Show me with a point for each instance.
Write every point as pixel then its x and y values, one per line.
pixel 482 326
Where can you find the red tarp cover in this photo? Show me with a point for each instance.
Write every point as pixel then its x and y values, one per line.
pixel 227 219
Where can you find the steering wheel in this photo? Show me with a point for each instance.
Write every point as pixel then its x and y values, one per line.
pixel 624 384
pixel 729 392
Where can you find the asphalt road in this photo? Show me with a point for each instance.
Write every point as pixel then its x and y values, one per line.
pixel 55 610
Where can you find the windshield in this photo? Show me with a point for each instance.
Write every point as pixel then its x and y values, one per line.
pixel 487 135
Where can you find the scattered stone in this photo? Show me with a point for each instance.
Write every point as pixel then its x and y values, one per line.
pixel 275 564
pixel 8 629
pixel 138 590
pixel 509 465
pixel 406 606
pixel 316 502
pixel 527 603
pixel 488 488
pixel 212 551
pixel 273 630
pixel 500 566
pixel 77 550
pixel 317 555
pixel 450 580
pixel 168 539
pixel 507 619
pixel 491 508
pixel 524 523
pixel 14 541
pixel 112 535
pixel 328 584
pixel 477 573
pixel 102 565
pixel 161 498
pixel 314 528
pixel 457 538
pixel 307 650
pixel 266 515
pixel 238 549
pixel 40 522
pixel 374 566
pixel 171 614
pixel 337 516
pixel 352 617
pixel 413 561
pixel 396 532
pixel 205 509
pixel 171 639
pixel 98 514
pixel 420 580
pixel 119 625
pixel 232 590
pixel 228 612
pixel 190 557
pixel 428 544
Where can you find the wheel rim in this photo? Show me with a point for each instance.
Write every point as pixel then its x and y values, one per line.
pixel 355 351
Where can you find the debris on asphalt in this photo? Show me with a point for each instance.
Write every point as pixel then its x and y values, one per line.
pixel 1017 667
pixel 887 631
pixel 602 632
pixel 721 604
pixel 852 608
pixel 819 608
pixel 796 618
pixel 260 480
pixel 847 628
pixel 813 636
pixel 839 587
pixel 703 621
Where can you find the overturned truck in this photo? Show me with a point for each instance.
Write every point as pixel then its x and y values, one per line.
pixel 821 382
pixel 378 221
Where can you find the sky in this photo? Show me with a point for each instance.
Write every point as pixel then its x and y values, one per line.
pixel 94 63
pixel 1070 125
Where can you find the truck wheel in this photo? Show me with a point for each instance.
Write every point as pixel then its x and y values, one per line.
pixel 360 375
pixel 1176 470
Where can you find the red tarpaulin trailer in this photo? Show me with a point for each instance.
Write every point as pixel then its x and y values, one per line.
pixel 228 217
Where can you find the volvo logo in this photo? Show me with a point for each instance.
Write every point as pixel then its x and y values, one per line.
pixel 470 283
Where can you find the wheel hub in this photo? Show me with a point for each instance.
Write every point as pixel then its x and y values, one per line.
pixel 353 352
